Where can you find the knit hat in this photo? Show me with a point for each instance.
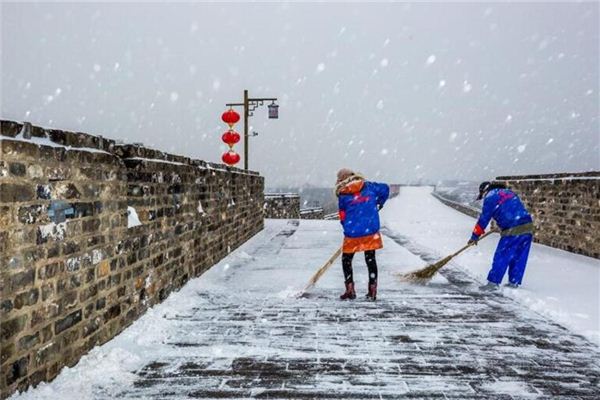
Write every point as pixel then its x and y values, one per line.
pixel 344 173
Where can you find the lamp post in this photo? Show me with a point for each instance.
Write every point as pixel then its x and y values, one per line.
pixel 251 104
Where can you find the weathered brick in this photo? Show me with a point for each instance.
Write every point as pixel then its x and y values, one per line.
pixel 17 169
pixel 33 255
pixel 47 291
pixel 5 216
pixel 16 193
pixel 6 306
pixel 29 341
pixel 34 171
pixel 44 192
pixel 112 312
pixel 91 327
pixel 7 350
pixel 46 353
pixel 44 313
pixel 53 251
pixel 49 271
pixel 73 264
pixel 26 298
pixel 100 303
pixel 71 282
pixel 30 214
pixel 46 333
pixel 18 370
pixel 21 280
pixel 103 268
pixel 12 327
pixel 4 242
pixel 68 322
pixel 70 247
pixel 68 300
pixel 21 149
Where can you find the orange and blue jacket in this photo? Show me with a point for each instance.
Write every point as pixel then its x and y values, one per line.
pixel 359 203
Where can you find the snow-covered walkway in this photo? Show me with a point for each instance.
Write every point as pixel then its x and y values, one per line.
pixel 239 332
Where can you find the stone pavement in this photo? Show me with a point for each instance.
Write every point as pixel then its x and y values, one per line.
pixel 246 336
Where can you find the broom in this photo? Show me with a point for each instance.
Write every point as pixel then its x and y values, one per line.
pixel 425 274
pixel 317 275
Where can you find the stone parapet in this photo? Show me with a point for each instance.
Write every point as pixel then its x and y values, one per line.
pixel 565 209
pixel 282 205
pixel 73 272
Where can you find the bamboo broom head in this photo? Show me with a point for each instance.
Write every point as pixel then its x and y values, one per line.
pixel 424 275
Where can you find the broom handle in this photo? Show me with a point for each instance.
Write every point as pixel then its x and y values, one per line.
pixel 321 271
pixel 470 245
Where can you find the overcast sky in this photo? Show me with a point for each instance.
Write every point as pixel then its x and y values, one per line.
pixel 399 92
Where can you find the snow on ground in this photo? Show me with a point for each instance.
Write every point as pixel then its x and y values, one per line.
pixel 240 277
pixel 561 285
pixel 239 331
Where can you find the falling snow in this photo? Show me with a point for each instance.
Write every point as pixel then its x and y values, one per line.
pixel 467 87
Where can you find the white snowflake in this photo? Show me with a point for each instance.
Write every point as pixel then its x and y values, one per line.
pixel 467 87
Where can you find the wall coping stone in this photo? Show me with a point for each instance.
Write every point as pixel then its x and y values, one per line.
pixel 566 176
pixel 86 142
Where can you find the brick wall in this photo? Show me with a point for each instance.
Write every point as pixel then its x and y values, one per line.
pixel 565 208
pixel 282 205
pixel 69 286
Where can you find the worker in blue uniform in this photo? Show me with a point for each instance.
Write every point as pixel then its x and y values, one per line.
pixel 516 225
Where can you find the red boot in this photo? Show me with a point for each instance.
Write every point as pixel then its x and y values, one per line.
pixel 349 294
pixel 372 294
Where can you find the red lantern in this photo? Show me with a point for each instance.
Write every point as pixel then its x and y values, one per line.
pixel 231 157
pixel 230 117
pixel 231 137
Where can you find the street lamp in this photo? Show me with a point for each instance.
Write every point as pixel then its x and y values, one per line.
pixel 251 104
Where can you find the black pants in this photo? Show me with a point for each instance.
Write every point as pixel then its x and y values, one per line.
pixel 371 266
